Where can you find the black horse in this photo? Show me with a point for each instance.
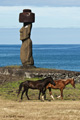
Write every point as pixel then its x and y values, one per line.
pixel 39 84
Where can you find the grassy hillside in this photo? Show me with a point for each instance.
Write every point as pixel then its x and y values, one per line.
pixel 9 91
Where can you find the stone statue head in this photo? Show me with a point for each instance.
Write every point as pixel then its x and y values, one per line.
pixel 27 16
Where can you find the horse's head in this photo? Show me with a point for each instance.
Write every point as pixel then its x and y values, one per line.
pixel 72 82
pixel 52 81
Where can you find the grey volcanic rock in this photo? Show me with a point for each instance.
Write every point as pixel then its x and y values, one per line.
pixel 26 53
pixel 27 17
pixel 26 48
pixel 20 73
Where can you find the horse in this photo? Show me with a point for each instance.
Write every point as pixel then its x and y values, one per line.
pixel 60 84
pixel 39 84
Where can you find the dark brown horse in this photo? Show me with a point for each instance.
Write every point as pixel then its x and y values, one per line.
pixel 39 84
pixel 60 84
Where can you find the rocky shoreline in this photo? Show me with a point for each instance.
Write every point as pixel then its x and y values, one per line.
pixel 19 73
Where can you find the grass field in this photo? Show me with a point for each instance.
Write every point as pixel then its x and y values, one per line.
pixel 36 110
pixel 12 109
pixel 9 91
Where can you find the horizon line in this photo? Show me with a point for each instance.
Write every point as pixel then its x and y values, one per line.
pixel 47 44
pixel 42 27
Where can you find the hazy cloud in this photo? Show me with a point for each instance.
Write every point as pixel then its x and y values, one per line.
pixel 55 3
pixel 54 17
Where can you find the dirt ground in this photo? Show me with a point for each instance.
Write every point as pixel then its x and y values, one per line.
pixel 37 110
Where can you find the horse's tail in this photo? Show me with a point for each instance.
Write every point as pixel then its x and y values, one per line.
pixel 20 87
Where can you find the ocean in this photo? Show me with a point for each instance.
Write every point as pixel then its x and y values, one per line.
pixel 58 56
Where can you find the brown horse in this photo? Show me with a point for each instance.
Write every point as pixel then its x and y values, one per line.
pixel 60 84
pixel 39 84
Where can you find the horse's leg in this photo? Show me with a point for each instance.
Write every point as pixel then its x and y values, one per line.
pixel 22 94
pixel 27 94
pixel 45 96
pixel 59 96
pixel 43 93
pixel 50 93
pixel 39 95
pixel 42 96
pixel 61 93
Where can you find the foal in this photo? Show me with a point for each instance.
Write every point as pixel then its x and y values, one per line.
pixel 40 85
pixel 60 84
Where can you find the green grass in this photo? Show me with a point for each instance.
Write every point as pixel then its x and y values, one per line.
pixel 9 91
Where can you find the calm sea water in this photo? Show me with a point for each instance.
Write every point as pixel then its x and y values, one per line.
pixel 65 57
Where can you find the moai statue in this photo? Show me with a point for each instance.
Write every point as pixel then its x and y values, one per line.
pixel 27 18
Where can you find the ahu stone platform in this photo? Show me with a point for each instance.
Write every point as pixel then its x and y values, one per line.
pixel 15 73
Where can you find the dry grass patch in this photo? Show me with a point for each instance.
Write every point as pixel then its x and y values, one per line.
pixel 36 110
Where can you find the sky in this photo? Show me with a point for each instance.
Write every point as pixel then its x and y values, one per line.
pixel 55 17
pixel 53 3
pixel 48 14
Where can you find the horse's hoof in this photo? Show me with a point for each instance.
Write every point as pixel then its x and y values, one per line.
pixel 53 99
pixel 49 100
pixel 42 100
pixel 62 99
pixel 28 99
pixel 20 100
